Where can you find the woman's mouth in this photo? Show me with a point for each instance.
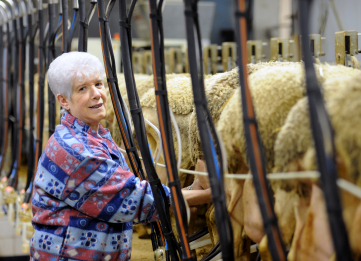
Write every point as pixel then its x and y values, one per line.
pixel 97 106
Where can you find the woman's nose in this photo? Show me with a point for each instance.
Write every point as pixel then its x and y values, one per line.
pixel 96 92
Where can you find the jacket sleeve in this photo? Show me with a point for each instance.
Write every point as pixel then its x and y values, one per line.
pixel 98 187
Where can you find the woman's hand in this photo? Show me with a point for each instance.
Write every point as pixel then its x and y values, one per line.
pixel 195 194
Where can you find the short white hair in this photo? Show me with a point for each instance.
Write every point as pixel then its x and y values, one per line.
pixel 70 66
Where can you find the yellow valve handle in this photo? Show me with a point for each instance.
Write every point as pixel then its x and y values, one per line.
pixel 25 248
pixel 1 199
pixel 27 232
pixel 3 183
pixel 19 200
pixel 11 214
pixel 10 195
pixel 159 254
pixel 25 213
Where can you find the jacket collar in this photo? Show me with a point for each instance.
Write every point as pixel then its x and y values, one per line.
pixel 80 126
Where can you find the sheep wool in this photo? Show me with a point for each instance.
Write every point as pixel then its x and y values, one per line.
pixel 180 96
pixel 345 115
pixel 295 136
pixel 218 88
pixel 180 99
pixel 294 147
pixel 251 68
pixel 143 83
pixel 274 91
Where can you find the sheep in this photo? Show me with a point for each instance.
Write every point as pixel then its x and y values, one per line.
pixel 274 91
pixel 293 153
pixel 251 68
pixel 181 108
pixel 181 103
pixel 143 83
pixel 218 89
pixel 289 147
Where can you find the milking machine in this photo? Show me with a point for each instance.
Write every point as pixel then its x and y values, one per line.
pixel 346 48
pixel 324 143
pixel 165 125
pixel 210 142
pixel 254 144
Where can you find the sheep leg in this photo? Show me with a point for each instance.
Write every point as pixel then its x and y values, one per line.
pixel 315 241
pixel 355 235
pixel 253 223
pixel 284 209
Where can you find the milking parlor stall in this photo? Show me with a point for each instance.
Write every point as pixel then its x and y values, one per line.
pixel 248 111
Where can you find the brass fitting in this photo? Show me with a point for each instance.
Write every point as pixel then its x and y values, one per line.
pixel 281 49
pixel 255 51
pixel 316 45
pixel 229 55
pixel 25 213
pixel 210 58
pixel 175 60
pixel 159 254
pixel 346 45
pixel 147 62
pixel 186 61
pixel 10 195
pixel 138 62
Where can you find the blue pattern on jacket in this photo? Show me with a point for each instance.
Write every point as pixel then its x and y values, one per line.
pixel 85 199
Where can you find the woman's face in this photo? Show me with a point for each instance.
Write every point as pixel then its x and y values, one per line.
pixel 88 100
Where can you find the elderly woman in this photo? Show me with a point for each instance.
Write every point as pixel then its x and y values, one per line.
pixel 85 199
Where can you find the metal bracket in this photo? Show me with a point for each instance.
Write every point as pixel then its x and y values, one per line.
pixel 346 45
pixel 229 55
pixel 281 49
pixel 210 58
pixel 255 51
pixel 138 62
pixel 316 45
pixel 175 60
pixel 147 62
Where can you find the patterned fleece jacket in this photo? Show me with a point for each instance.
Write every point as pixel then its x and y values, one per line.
pixel 85 200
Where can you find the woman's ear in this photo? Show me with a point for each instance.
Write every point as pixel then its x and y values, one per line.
pixel 63 101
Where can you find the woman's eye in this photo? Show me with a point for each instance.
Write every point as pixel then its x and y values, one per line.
pixel 99 84
pixel 82 89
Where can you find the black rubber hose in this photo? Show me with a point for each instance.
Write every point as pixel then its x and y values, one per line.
pixel 200 233
pixel 14 117
pixel 6 82
pixel 74 27
pixel 118 105
pixel 2 89
pixel 209 140
pixel 87 21
pixel 212 255
pixel 51 57
pixel 213 252
pixel 82 27
pixel 161 201
pixel 254 143
pixel 165 126
pixel 31 151
pixel 58 26
pixel 40 102
pixel 322 133
pixel 20 98
pixel 64 4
